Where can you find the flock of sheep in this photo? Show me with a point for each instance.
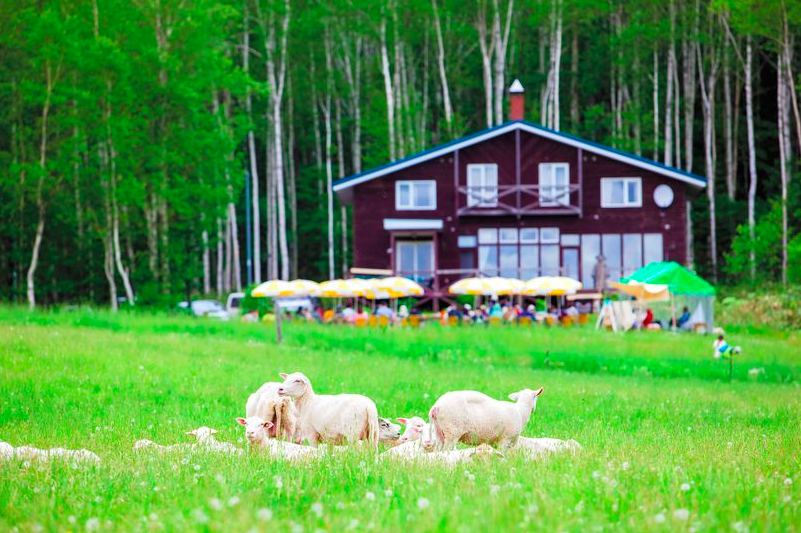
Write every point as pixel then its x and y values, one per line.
pixel 281 416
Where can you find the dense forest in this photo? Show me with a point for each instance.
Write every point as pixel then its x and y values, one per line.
pixel 140 139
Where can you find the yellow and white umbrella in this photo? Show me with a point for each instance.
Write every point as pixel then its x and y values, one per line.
pixel 474 286
pixel 273 289
pixel 518 285
pixel 398 287
pixel 643 292
pixel 305 287
pixel 339 288
pixel 374 292
pixel 551 286
pixel 505 286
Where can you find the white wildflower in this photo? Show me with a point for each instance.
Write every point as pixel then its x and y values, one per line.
pixel 625 466
pixel 200 517
pixel 423 503
pixel 494 489
pixel 71 519
pixel 317 508
pixel 233 501
pixel 93 524
pixel 264 515
pixel 215 504
pixel 388 493
pixel 353 524
pixel 685 487
pixel 681 514
pixel 369 496
pixel 788 481
pixel 659 518
pixel 740 527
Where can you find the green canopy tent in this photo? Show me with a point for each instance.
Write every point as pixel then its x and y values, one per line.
pixel 681 281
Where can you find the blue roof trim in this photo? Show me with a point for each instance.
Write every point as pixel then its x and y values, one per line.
pixel 702 181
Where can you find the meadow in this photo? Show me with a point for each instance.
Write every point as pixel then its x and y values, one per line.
pixel 669 444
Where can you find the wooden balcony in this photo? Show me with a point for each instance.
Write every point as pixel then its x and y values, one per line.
pixel 518 200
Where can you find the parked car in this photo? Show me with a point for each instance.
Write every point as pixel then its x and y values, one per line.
pixel 206 308
pixel 233 306
pixel 292 304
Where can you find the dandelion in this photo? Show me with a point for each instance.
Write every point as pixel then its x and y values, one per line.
pixel 296 528
pixel 423 503
pixel 430 481
pixel 71 519
pixel 353 524
pixel 740 527
pixel 788 481
pixel 264 515
pixel 786 499
pixel 215 504
pixel 625 466
pixel 93 524
pixel 388 493
pixel 494 489
pixel 340 506
pixel 369 496
pixel 471 477
pixel 659 518
pixel 595 474
pixel 317 508
pixel 233 501
pixel 685 487
pixel 196 467
pixel 185 461
pixel 278 482
pixel 681 514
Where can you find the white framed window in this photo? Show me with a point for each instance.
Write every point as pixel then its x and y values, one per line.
pixel 487 236
pixel 467 241
pixel 482 185
pixel 416 195
pixel 509 235
pixel 554 184
pixel 570 239
pixel 415 259
pixel 530 235
pixel 621 192
pixel 549 235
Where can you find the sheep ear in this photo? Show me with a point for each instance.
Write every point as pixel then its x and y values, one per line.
pixel 540 391
pixel 283 375
pixel 268 425
pixel 514 396
pixel 242 421
pixel 402 420
pixel 213 431
pixel 193 432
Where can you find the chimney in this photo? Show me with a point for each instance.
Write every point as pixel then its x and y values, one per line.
pixel 516 100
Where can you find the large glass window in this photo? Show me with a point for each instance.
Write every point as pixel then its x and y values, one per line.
pixel 415 259
pixel 570 262
pixel 509 260
pixel 652 248
pixel 611 248
pixel 549 256
pixel 621 192
pixel 416 195
pixel 482 185
pixel 529 261
pixel 632 253
pixel 488 260
pixel 590 250
pixel 554 184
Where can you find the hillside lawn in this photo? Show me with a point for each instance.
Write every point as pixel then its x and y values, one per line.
pixel 668 443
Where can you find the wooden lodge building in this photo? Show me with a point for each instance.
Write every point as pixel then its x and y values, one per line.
pixel 517 200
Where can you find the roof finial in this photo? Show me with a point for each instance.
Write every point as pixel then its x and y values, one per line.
pixel 516 87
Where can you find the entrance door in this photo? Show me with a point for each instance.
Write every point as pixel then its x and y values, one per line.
pixel 415 260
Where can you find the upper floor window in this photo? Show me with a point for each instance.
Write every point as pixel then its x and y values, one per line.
pixel 482 185
pixel 417 195
pixel 621 192
pixel 554 184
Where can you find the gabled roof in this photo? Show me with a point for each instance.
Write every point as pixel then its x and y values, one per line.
pixel 523 125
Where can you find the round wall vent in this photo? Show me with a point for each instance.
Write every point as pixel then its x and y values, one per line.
pixel 663 196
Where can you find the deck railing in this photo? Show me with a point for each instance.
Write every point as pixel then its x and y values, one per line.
pixel 519 200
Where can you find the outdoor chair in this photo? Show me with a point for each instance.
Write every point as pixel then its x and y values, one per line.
pixel 415 321
pixel 567 321
pixel 373 321
pixel 583 319
pixel 361 322
pixel 453 320
pixel 525 321
pixel 549 320
pixel 383 321
pixel 328 316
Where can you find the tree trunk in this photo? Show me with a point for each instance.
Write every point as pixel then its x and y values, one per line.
pixel 254 169
pixel 752 171
pixel 220 258
pixel 388 91
pixel 574 75
pixel 655 79
pixel 486 44
pixel 115 212
pixel 292 179
pixel 668 159
pixel 328 163
pixel 443 76
pixel 690 83
pixel 708 97
pixel 783 118
pixel 108 270
pixel 501 37
pixel 731 185
pixel 206 262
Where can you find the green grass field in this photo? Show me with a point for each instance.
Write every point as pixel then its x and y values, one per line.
pixel 668 443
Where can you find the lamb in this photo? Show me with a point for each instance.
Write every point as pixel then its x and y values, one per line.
pixel 388 433
pixel 145 443
pixel 206 441
pixel 415 426
pixel 538 448
pixel 257 431
pixel 336 419
pixel 417 444
pixel 30 453
pixel 269 405
pixel 453 457
pixel 474 418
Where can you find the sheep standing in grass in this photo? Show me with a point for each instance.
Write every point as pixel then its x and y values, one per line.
pixel 257 431
pixel 474 418
pixel 269 405
pixel 335 419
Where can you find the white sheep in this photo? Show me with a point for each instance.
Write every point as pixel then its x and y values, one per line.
pixel 269 405
pixel 388 433
pixel 206 441
pixel 415 426
pixel 538 448
pixel 145 443
pixel 257 432
pixel 336 419
pixel 474 418
pixel 6 451
pixel 416 445
pixel 453 457
pixel 30 453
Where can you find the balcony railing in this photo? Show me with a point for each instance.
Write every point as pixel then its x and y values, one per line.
pixel 519 200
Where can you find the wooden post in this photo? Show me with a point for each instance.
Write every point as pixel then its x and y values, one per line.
pixel 731 366
pixel 277 310
pixel 674 325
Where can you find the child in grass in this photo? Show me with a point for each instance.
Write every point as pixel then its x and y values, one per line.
pixel 722 348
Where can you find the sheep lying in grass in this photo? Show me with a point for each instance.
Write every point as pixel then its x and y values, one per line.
pixel 335 419
pixel 454 457
pixel 206 441
pixel 418 442
pixel 415 426
pixel 29 453
pixel 267 404
pixel 537 448
pixel 6 451
pixel 257 432
pixel 474 418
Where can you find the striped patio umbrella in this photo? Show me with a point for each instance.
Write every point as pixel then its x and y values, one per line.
pixel 473 286
pixel 505 286
pixel 399 287
pixel 305 287
pixel 273 289
pixel 339 288
pixel 374 292
pixel 517 285
pixel 551 286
